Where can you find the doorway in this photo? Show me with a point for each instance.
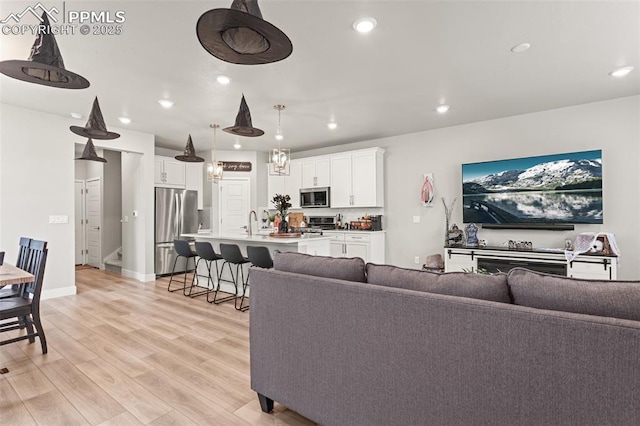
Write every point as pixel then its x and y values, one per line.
pixel 80 222
pixel 233 216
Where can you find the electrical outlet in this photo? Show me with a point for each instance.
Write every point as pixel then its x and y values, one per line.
pixel 416 219
pixel 416 260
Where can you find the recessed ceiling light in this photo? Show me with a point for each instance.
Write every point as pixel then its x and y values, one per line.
pixel 519 48
pixel 364 25
pixel 166 103
pixel 223 79
pixel 621 72
pixel 332 125
pixel 279 137
pixel 76 115
pixel 442 109
pixel 124 120
pixel 237 145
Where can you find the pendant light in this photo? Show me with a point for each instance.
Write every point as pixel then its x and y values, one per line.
pixel 214 169
pixel 279 163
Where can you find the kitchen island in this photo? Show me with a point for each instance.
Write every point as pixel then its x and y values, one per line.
pixel 317 245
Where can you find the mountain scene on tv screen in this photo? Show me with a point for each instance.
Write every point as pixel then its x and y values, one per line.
pixel 565 190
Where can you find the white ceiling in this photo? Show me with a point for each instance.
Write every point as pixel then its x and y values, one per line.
pixel 388 82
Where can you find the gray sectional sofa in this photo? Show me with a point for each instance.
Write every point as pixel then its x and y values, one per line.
pixel 347 344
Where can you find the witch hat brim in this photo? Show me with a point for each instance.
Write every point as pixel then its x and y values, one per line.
pixel 243 126
pixel 215 30
pixel 95 127
pixel 189 154
pixel 90 154
pixel 45 65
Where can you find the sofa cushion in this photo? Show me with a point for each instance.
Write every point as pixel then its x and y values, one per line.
pixel 350 269
pixel 476 286
pixel 617 299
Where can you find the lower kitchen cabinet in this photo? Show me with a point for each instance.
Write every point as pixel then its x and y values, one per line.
pixel 368 245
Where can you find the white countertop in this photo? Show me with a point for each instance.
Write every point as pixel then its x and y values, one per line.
pixel 257 238
pixel 349 231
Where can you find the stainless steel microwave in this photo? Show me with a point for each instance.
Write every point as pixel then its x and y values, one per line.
pixel 314 197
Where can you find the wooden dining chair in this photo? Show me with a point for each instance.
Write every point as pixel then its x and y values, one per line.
pixel 26 308
pixel 16 290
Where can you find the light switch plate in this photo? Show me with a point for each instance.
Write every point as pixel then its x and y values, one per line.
pixel 416 219
pixel 58 219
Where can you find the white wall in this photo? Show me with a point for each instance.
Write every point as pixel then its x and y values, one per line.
pixel 36 180
pixel 613 126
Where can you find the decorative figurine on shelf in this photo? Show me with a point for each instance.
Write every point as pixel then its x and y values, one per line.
pixel 456 236
pixel 471 231
pixel 282 204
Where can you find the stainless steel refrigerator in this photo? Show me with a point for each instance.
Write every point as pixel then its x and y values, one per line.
pixel 176 214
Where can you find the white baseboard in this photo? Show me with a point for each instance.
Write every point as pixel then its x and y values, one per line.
pixel 145 278
pixel 58 292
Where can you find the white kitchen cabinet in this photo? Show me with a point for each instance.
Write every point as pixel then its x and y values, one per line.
pixel 357 179
pixel 316 172
pixel 288 185
pixel 368 245
pixel 459 259
pixel 195 180
pixel 169 173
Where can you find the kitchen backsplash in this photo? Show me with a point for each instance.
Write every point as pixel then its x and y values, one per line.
pixel 346 215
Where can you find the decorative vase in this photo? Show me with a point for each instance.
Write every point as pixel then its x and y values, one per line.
pixel 283 228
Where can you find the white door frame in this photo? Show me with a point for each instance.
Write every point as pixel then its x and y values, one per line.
pixel 219 189
pixel 82 219
pixel 99 263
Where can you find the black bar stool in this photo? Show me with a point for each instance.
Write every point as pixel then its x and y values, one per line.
pixel 260 257
pixel 183 249
pixel 232 256
pixel 206 252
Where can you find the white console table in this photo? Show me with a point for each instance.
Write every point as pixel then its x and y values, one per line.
pixel 501 259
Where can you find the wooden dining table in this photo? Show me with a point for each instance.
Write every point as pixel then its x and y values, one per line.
pixel 10 274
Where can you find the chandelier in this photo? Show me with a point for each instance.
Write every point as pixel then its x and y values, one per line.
pixel 214 169
pixel 279 163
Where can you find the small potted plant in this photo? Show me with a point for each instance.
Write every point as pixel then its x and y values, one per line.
pixel 282 204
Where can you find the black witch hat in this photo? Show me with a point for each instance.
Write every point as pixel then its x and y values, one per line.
pixel 189 155
pixel 243 126
pixel 45 65
pixel 239 35
pixel 89 153
pixel 95 127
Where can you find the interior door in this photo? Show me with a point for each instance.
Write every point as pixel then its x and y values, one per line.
pixel 234 206
pixel 79 224
pixel 94 222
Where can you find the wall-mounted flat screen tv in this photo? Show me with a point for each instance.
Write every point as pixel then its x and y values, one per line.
pixel 549 189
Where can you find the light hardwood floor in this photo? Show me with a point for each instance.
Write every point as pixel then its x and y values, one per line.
pixel 123 352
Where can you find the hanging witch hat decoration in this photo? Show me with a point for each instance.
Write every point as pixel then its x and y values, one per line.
pixel 95 127
pixel 45 65
pixel 243 126
pixel 89 153
pixel 239 35
pixel 189 155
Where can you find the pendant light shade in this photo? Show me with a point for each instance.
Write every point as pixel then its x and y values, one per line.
pixel 243 126
pixel 215 168
pixel 90 154
pixel 45 65
pixel 95 127
pixel 239 35
pixel 280 159
pixel 189 155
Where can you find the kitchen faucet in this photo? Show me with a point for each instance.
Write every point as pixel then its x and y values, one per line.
pixel 252 212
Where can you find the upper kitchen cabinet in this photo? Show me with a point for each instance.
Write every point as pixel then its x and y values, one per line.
pixel 195 180
pixel 316 172
pixel 357 178
pixel 287 185
pixel 169 173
